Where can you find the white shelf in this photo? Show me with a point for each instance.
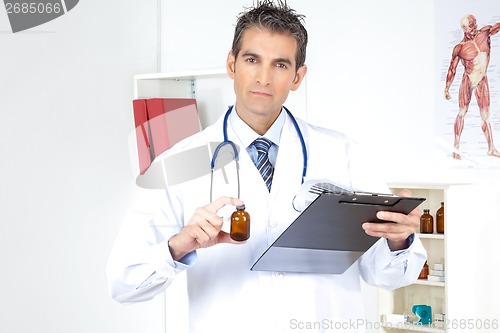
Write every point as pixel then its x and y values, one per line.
pixel 413 328
pixel 431 236
pixel 190 75
pixel 430 283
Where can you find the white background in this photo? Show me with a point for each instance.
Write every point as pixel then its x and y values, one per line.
pixel 65 110
pixel 65 113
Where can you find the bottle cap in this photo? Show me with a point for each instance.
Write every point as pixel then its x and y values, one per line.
pixel 240 207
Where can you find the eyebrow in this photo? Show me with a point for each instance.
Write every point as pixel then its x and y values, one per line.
pixel 255 55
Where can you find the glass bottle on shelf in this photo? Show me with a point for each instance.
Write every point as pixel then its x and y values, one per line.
pixel 426 222
pixel 409 316
pixel 424 273
pixel 440 219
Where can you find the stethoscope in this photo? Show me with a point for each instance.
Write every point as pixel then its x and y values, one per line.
pixel 235 150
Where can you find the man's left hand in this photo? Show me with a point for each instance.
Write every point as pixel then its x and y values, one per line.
pixel 396 233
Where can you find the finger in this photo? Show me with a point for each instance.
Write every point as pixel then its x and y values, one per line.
pixel 407 193
pixel 211 228
pixel 399 217
pixel 404 193
pixel 204 234
pixel 224 237
pixel 214 206
pixel 196 235
pixel 410 221
pixel 392 217
pixel 387 230
pixel 384 228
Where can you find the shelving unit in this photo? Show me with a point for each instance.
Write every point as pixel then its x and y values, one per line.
pixel 470 290
pixel 424 292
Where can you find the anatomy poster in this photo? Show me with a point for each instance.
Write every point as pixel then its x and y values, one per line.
pixel 468 82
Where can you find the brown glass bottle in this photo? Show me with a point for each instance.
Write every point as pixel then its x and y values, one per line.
pixel 440 219
pixel 426 223
pixel 240 224
pixel 424 273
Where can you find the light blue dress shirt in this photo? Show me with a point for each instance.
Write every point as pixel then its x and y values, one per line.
pixel 247 135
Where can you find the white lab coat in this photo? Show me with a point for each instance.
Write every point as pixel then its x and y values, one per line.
pixel 224 295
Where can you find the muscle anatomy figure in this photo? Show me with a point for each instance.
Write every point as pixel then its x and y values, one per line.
pixel 474 54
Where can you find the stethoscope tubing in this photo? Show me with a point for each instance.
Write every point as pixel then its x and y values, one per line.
pixel 235 150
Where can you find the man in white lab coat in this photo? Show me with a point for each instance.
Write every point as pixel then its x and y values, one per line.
pixel 176 228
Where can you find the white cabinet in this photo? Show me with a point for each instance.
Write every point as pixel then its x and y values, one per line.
pixel 469 295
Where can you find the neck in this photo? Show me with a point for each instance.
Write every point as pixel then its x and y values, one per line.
pixel 258 122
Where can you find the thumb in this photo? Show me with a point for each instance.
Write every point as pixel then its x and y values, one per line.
pixel 405 193
pixel 224 237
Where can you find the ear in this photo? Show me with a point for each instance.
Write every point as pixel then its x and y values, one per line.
pixel 299 76
pixel 230 62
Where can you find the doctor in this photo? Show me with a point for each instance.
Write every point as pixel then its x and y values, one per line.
pixel 178 229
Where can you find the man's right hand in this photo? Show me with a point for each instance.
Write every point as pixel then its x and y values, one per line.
pixel 203 229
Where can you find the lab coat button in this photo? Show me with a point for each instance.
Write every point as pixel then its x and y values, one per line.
pixel 280 275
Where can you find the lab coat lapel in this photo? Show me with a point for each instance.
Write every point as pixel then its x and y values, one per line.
pixel 288 170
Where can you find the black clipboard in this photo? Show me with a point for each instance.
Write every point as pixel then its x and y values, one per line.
pixel 327 236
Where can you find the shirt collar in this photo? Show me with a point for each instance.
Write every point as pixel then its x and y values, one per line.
pixel 247 135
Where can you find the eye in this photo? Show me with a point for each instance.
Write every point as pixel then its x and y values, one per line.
pixel 251 60
pixel 281 65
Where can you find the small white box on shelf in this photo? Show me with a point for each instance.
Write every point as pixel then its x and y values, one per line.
pixel 393 318
pixel 439 267
pixel 436 272
pixel 434 278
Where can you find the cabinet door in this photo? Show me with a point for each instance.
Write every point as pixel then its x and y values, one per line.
pixel 472 261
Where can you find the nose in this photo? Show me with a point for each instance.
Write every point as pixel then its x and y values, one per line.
pixel 264 76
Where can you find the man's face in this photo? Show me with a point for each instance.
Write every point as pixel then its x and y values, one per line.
pixel 469 26
pixel 264 73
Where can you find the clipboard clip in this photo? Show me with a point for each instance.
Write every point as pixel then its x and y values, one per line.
pixel 366 198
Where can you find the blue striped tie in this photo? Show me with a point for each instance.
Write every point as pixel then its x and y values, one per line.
pixel 263 164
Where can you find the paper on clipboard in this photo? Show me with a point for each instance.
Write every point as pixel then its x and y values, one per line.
pixel 311 189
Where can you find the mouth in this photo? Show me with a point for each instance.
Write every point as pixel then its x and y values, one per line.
pixel 259 93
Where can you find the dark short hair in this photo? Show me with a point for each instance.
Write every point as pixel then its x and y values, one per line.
pixel 276 17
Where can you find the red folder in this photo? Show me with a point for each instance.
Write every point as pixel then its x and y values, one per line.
pixel 162 122
pixel 142 135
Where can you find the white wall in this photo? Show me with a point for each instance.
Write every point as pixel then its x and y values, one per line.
pixel 370 75
pixel 370 68
pixel 65 182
